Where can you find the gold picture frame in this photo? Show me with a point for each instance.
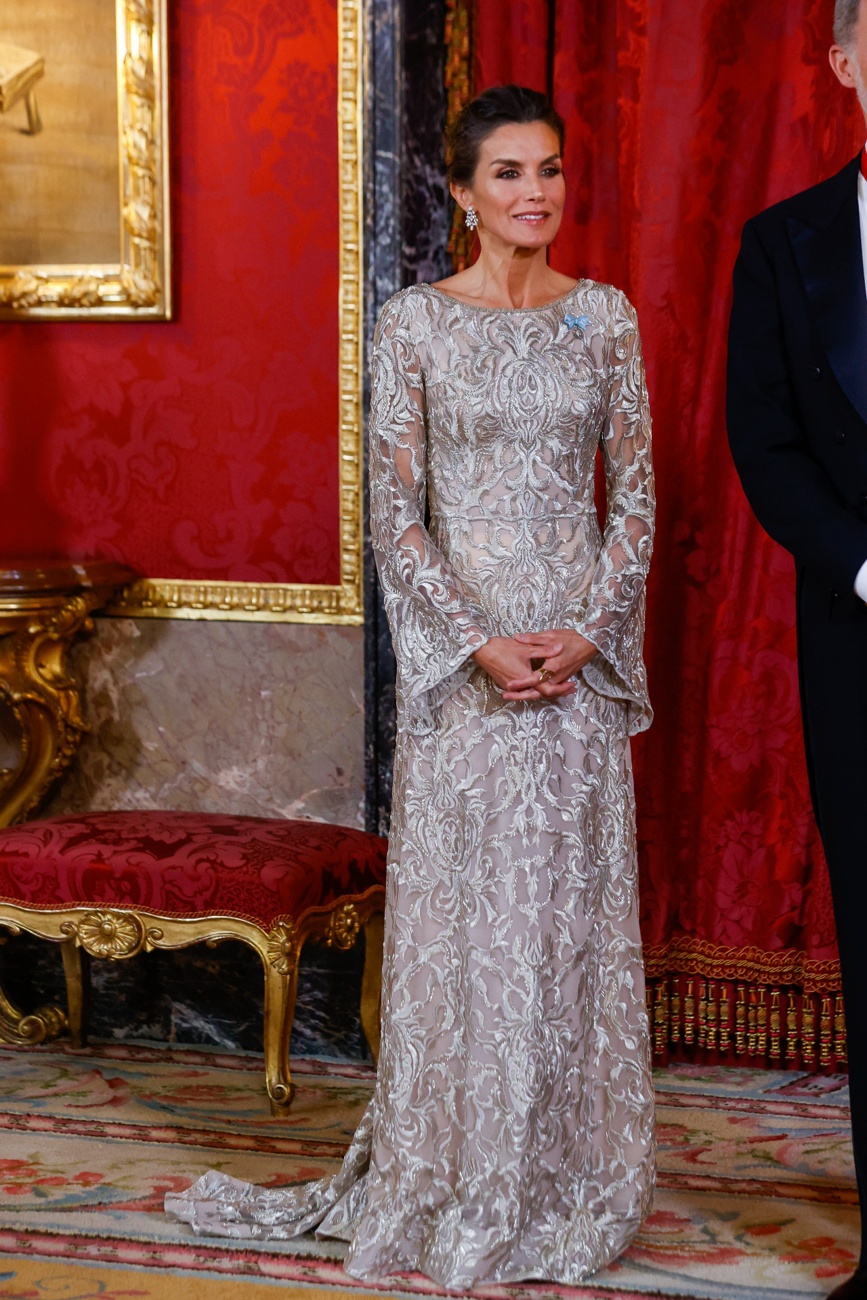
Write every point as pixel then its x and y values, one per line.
pixel 340 603
pixel 138 285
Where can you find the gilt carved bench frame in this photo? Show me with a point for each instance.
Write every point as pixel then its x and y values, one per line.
pixel 114 933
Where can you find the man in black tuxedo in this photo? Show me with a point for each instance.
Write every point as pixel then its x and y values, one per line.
pixel 797 419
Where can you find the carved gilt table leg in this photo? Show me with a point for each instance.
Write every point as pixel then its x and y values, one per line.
pixel 44 606
pixel 45 701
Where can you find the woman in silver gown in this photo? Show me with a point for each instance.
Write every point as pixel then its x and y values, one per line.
pixel 511 1131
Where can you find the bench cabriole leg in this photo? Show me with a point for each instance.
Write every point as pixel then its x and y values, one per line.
pixel 281 989
pixel 76 971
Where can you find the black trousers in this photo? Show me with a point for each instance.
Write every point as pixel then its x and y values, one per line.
pixel 832 637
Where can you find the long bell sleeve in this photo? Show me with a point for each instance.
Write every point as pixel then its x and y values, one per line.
pixel 434 629
pixel 613 617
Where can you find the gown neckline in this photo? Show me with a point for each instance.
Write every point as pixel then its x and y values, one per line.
pixel 470 306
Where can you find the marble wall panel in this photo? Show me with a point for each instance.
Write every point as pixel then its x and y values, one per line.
pixel 264 719
pixel 427 204
pixel 408 214
pixel 383 242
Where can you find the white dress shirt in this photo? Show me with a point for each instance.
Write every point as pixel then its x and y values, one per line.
pixel 861 579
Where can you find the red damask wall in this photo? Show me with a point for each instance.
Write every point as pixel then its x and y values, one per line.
pixel 205 447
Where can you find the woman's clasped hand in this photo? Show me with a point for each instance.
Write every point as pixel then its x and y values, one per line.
pixel 518 664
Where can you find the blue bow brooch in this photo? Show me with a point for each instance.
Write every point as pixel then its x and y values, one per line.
pixel 576 322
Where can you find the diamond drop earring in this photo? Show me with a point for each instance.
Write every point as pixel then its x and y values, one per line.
pixel 472 218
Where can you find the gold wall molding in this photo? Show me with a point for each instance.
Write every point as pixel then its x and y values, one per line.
pixel 304 602
pixel 138 286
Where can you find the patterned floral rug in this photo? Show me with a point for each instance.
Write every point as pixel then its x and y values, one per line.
pixel 756 1195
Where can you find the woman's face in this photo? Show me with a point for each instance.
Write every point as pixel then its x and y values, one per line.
pixel 518 190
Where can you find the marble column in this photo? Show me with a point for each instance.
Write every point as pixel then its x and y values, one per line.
pixel 408 226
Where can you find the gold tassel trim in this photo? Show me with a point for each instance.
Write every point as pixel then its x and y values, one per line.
pixel 744 1021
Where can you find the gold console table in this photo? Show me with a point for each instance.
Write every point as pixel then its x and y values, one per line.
pixel 44 606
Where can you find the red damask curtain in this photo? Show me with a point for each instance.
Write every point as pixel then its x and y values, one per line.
pixel 684 118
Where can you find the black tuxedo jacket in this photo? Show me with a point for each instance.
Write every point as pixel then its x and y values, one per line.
pixel 797 416
pixel 797 378
pixel 797 419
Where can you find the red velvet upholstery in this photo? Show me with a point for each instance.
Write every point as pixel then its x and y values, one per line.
pixel 187 864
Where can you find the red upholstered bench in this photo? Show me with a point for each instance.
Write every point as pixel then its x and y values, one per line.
pixel 117 883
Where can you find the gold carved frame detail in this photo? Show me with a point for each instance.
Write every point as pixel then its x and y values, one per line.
pixel 138 286
pixel 292 602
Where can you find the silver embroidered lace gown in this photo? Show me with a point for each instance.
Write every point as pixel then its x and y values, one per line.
pixel 511 1131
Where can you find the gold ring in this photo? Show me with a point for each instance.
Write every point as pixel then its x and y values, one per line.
pixel 544 674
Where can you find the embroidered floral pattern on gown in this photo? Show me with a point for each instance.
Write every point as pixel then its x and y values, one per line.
pixel 510 1135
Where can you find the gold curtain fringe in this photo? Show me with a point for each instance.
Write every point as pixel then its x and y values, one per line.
pixel 685 955
pixel 745 1021
pixel 744 1006
pixel 459 91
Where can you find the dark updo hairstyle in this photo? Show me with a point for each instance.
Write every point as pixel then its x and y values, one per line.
pixel 499 106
